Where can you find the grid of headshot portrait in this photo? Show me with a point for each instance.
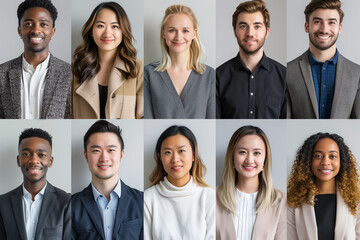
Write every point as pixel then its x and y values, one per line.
pixel 180 120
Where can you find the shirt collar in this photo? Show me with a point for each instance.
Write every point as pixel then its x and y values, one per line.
pixel 264 62
pixel 116 190
pixel 28 195
pixel 312 59
pixel 29 68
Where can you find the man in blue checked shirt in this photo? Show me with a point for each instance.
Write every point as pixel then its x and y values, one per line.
pixel 107 209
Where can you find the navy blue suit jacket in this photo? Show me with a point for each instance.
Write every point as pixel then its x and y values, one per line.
pixel 86 219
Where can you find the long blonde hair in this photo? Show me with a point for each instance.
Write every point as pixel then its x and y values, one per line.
pixel 267 194
pixel 196 61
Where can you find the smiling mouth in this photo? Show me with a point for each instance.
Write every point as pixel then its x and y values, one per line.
pixel 34 170
pixel 249 168
pixel 104 167
pixel 176 168
pixel 325 171
pixel 36 40
pixel 250 41
pixel 107 40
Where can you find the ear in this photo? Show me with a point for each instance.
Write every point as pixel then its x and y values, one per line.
pixel 85 155
pixel 18 160
pixel 306 27
pixel 340 28
pixel 195 33
pixel 19 31
pixel 51 161
pixel 53 31
pixel 267 32
pixel 122 154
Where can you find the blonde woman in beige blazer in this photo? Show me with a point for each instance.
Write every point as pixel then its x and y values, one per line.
pixel 323 191
pixel 247 175
pixel 108 79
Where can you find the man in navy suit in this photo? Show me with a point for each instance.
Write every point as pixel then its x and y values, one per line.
pixel 107 208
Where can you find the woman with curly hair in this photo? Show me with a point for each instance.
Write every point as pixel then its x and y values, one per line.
pixel 323 191
pixel 107 77
pixel 180 85
pixel 179 204
pixel 248 206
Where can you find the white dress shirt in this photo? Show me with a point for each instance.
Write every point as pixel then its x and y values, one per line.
pixel 32 88
pixel 31 211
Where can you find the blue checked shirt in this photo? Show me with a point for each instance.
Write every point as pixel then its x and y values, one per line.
pixel 107 209
pixel 323 74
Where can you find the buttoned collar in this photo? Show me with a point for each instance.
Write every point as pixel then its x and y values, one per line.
pixel 116 190
pixel 30 68
pixel 312 59
pixel 26 194
pixel 264 63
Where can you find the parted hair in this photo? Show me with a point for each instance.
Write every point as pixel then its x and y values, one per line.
pixel 198 168
pixel 301 183
pixel 323 4
pixel 86 62
pixel 226 191
pixel 196 61
pixel 251 7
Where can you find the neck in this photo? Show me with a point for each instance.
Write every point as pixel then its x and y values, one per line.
pixel 323 55
pixel 34 187
pixel 180 61
pixel 107 58
pixel 328 187
pixel 179 182
pixel 248 185
pixel 35 59
pixel 251 61
pixel 105 187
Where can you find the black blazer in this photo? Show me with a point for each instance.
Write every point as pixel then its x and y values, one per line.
pixel 54 218
pixel 86 219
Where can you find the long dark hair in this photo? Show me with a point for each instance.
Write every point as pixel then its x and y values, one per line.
pixel 86 62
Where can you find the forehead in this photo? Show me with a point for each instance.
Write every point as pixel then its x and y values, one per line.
pixel 181 20
pixel 326 144
pixel 36 13
pixel 106 14
pixel 34 143
pixel 325 14
pixel 250 17
pixel 174 141
pixel 103 139
pixel 251 141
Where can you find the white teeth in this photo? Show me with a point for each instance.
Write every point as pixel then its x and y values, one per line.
pixel 176 167
pixel 326 37
pixel 325 171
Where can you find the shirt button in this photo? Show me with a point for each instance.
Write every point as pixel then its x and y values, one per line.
pixel 113 95
pixel 251 94
pixel 324 68
pixel 252 76
pixel 324 86
pixel 107 208
pixel 251 112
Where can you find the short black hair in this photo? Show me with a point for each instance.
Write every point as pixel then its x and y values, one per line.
pixel 37 3
pixel 103 126
pixel 35 132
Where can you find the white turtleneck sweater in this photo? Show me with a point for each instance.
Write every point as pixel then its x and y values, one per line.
pixel 174 213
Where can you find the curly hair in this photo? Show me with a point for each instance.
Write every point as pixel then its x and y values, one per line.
pixel 86 62
pixel 301 183
pixel 35 132
pixel 198 168
pixel 37 3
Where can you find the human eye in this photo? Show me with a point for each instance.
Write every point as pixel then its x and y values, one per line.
pixel 257 153
pixel 242 26
pixel 112 150
pixel 257 26
pixel 242 152
pixel 100 26
pixel 171 30
pixel 25 154
pixel 27 24
pixel 44 24
pixel 167 152
pixel 182 150
pixel 115 26
pixel 317 155
pixel 333 156
pixel 186 31
pixel 95 150
pixel 42 155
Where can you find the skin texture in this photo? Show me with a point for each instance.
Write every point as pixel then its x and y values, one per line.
pixel 177 158
pixel 36 30
pixel 249 157
pixel 34 159
pixel 251 32
pixel 106 31
pixel 326 164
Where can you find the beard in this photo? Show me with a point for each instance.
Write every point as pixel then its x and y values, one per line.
pixel 247 50
pixel 322 47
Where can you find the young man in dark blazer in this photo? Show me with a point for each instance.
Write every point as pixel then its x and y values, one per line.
pixel 36 84
pixel 321 82
pixel 36 209
pixel 107 209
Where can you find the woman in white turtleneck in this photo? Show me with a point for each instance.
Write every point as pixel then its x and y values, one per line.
pixel 247 206
pixel 179 204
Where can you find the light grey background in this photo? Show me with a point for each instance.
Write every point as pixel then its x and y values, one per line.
pixel 275 130
pixel 58 175
pixel 204 131
pixel 82 9
pixel 131 167
pixel 298 40
pixel 299 130
pixel 226 43
pixel 204 11
pixel 11 46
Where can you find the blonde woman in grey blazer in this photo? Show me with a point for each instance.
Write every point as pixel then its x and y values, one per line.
pixel 248 207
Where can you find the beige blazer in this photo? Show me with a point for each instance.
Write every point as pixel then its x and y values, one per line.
pixel 301 222
pixel 125 97
pixel 269 224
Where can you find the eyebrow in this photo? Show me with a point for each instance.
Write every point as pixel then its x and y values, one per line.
pixel 322 151
pixel 177 147
pixel 330 19
pixel 105 23
pixel 97 146
pixel 255 23
pixel 29 149
pixel 31 20
pixel 247 149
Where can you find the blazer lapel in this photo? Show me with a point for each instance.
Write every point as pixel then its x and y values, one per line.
pixel 46 206
pixel 340 80
pixel 15 77
pixel 16 202
pixel 309 219
pixel 92 209
pixel 342 217
pixel 115 82
pixel 89 91
pixel 308 79
pixel 122 207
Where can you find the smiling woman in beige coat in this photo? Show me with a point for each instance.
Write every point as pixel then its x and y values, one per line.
pixel 107 77
pixel 247 206
pixel 323 191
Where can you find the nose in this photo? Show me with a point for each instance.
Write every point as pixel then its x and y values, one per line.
pixel 104 156
pixel 324 27
pixel 175 158
pixel 325 161
pixel 107 31
pixel 35 28
pixel 250 31
pixel 178 35
pixel 249 158
pixel 33 159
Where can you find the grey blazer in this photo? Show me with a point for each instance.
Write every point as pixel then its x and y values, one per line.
pixel 57 92
pixel 54 218
pixel 301 97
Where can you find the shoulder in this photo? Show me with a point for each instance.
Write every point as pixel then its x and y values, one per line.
pixel 298 59
pixel 151 67
pixel 276 65
pixel 209 70
pixel 75 198
pixel 346 62
pixel 62 196
pixel 6 66
pixel 132 192
pixel 150 193
pixel 139 64
pixel 6 196
pixel 226 65
pixel 58 63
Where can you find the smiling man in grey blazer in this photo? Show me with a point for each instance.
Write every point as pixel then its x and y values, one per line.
pixel 36 84
pixel 321 82
pixel 35 209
